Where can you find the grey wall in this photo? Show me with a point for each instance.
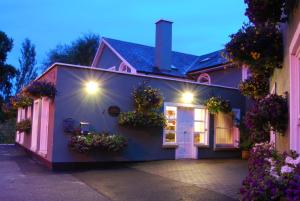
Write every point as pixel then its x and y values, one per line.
pixel 226 77
pixel 108 59
pixel 116 89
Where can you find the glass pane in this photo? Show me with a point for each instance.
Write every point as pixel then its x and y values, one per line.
pixel 199 127
pixel 171 125
pixel 170 137
pixel 224 136
pixel 199 138
pixel 171 112
pixel 199 114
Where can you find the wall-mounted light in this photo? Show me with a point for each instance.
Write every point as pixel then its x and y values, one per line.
pixel 187 97
pixel 92 87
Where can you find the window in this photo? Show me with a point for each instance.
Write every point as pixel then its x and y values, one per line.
pixel 125 68
pixel 201 126
pixel 226 130
pixel 170 130
pixel 204 78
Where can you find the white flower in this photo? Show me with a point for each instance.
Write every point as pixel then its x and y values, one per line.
pixel 291 161
pixel 286 169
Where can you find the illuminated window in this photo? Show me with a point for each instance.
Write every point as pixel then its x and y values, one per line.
pixel 204 78
pixel 170 129
pixel 201 126
pixel 227 133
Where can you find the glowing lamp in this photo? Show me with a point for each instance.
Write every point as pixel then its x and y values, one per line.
pixel 92 87
pixel 187 97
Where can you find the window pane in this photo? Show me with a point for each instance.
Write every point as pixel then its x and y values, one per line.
pixel 199 138
pixel 171 112
pixel 170 137
pixel 200 114
pixel 199 127
pixel 171 125
pixel 224 125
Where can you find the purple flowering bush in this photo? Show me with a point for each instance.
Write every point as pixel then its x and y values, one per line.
pixel 268 114
pixel 38 89
pixel 94 141
pixel 272 176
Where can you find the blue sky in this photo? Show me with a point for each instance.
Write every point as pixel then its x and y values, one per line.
pixel 200 26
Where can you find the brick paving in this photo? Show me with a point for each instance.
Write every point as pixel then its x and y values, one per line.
pixel 222 176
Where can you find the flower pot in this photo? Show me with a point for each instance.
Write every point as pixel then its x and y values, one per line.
pixel 245 154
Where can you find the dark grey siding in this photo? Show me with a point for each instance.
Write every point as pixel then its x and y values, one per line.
pixel 108 59
pixel 116 89
pixel 230 77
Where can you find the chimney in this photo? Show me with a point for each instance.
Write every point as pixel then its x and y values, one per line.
pixel 163 45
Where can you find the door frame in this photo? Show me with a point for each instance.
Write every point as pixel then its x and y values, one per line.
pixel 193 106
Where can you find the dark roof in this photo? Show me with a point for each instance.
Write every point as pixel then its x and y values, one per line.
pixel 141 57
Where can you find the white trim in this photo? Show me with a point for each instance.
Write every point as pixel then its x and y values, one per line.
pixel 117 53
pixel 204 75
pixel 98 53
pixel 112 68
pixel 138 74
pixel 294 69
pixel 123 64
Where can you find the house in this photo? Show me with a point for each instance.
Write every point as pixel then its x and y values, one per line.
pixel 287 79
pixel 117 68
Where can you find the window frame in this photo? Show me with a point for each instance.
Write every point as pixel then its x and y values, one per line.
pixel 204 75
pixel 234 131
pixel 171 104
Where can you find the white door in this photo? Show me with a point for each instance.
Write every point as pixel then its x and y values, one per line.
pixel 35 125
pixel 44 126
pixel 185 133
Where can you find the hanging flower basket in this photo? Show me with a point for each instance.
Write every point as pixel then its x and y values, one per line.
pixel 39 89
pixel 135 119
pixel 24 126
pixel 255 87
pixel 218 104
pixel 21 101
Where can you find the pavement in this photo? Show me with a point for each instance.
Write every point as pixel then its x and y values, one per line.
pixel 22 178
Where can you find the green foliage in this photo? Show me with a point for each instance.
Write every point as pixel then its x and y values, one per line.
pixel 27 71
pixel 146 98
pixel 21 101
pixel 261 12
pixel 260 48
pixel 39 89
pixel 24 126
pixel 79 52
pixel 255 87
pixel 7 72
pixel 7 131
pixel 218 104
pixel 268 114
pixel 93 141
pixel 147 102
pixel 142 120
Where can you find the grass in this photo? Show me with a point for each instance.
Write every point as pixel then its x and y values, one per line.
pixel 7 131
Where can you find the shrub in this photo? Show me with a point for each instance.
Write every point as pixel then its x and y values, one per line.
pixel 94 141
pixel 262 12
pixel 146 98
pixel 256 87
pixel 217 104
pixel 20 101
pixel 142 120
pixel 272 175
pixel 270 113
pixel 260 48
pixel 24 126
pixel 39 89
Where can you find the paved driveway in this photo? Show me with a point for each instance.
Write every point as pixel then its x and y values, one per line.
pixel 22 178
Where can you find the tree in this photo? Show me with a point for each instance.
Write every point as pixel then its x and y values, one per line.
pixel 7 72
pixel 79 52
pixel 27 71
